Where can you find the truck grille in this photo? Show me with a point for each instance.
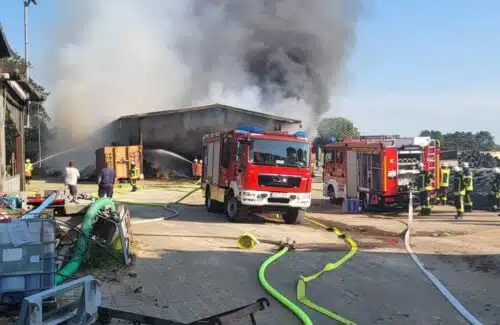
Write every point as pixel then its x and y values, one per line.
pixel 279 181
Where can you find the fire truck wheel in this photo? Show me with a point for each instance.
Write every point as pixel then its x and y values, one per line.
pixel 294 216
pixel 232 207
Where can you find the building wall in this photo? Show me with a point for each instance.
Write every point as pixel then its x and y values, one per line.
pixel 182 132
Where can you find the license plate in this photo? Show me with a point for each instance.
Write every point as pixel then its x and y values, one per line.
pixel 279 195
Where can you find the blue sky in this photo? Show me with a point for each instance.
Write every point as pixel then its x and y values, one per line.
pixel 417 64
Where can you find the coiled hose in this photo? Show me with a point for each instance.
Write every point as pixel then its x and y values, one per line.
pixel 301 283
pixel 81 244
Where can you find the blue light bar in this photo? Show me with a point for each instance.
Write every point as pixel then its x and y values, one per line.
pixel 301 134
pixel 332 139
pixel 249 129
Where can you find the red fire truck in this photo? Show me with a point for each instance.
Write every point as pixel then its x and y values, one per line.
pixel 378 170
pixel 249 170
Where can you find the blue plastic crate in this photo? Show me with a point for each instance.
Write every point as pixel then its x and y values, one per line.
pixel 27 258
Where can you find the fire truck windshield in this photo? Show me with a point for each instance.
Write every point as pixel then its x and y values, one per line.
pixel 279 153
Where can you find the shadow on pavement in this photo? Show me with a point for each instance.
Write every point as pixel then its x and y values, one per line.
pixel 371 288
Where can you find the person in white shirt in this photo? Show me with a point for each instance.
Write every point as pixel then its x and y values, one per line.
pixel 71 180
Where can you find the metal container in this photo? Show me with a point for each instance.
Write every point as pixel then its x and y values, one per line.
pixel 120 158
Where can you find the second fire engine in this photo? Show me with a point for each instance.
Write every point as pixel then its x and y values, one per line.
pixel 377 170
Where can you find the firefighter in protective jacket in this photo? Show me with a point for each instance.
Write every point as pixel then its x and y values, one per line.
pixel 444 184
pixel 495 190
pixel 458 191
pixel 469 187
pixel 424 179
pixel 134 175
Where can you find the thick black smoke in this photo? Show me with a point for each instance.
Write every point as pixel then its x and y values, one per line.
pixel 285 49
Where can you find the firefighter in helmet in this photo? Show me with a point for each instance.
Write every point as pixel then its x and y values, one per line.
pixel 134 175
pixel 469 187
pixel 28 171
pixel 424 179
pixel 444 183
pixel 458 191
pixel 495 190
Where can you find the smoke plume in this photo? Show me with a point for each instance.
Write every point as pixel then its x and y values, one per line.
pixel 123 57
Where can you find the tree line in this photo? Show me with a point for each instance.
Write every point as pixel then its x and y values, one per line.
pixel 340 127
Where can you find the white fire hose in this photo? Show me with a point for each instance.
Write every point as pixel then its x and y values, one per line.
pixel 441 287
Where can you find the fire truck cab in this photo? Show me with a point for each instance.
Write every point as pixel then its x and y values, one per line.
pixel 249 170
pixel 377 170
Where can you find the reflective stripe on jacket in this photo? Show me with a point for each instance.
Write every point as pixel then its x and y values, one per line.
pixel 445 177
pixel 424 181
pixel 468 180
pixel 134 172
pixel 458 185
pixel 28 168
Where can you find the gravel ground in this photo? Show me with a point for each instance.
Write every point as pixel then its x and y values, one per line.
pixel 188 267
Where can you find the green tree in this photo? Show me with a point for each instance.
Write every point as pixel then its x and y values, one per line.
pixel 485 141
pixel 338 127
pixel 434 134
pixel 38 117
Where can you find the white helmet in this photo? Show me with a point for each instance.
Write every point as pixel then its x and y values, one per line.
pixel 132 162
pixel 456 169
pixel 496 170
pixel 445 165
pixel 465 165
pixel 195 160
pixel 28 161
pixel 420 165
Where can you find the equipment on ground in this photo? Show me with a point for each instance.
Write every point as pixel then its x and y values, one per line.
pixel 79 303
pixel 378 170
pixel 247 169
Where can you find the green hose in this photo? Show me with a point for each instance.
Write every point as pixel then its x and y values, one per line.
pixel 81 244
pixel 278 296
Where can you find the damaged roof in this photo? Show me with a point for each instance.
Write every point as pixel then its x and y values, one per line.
pixel 215 105
pixel 5 50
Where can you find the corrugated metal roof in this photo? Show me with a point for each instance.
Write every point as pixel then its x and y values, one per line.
pixel 205 107
pixel 5 50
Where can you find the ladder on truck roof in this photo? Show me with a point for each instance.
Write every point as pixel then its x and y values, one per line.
pixel 431 160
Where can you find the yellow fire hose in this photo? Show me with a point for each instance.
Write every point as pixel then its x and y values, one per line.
pixel 301 283
pixel 248 241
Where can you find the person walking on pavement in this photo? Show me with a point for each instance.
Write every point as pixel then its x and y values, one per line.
pixel 469 187
pixel 71 181
pixel 424 179
pixel 444 183
pixel 458 192
pixel 495 190
pixel 28 171
pixel 106 181
pixel 134 175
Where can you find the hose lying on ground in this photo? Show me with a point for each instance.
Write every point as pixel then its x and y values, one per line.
pixel 447 294
pixel 166 207
pixel 278 296
pixel 301 283
pixel 81 245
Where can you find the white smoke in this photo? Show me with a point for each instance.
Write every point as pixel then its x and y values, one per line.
pixel 123 57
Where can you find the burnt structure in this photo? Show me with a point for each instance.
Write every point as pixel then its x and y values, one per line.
pixel 16 92
pixel 181 130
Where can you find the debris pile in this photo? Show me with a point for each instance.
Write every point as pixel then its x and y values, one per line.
pixel 56 249
pixel 482 165
pixel 477 159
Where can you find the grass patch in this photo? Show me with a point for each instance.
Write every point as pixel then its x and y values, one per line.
pixel 100 258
